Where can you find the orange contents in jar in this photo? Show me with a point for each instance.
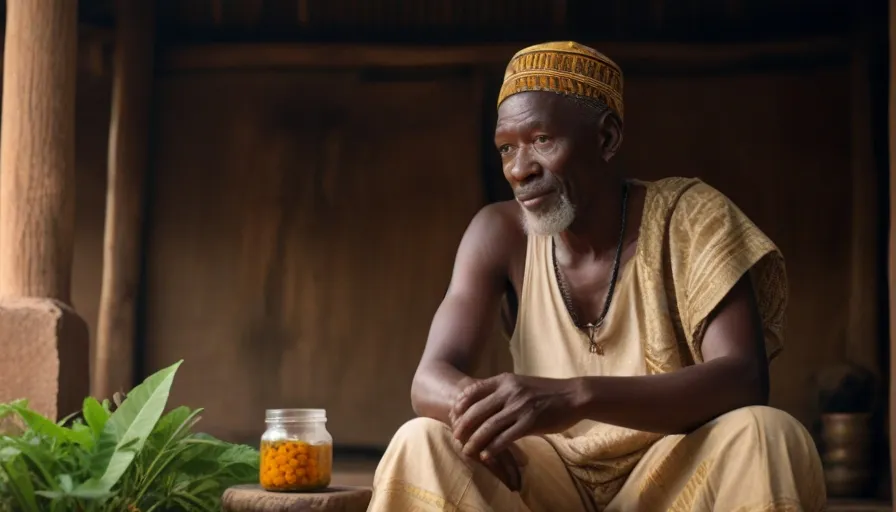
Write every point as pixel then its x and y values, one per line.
pixel 295 465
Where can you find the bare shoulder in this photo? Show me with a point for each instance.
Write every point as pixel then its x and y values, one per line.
pixel 492 243
pixel 500 222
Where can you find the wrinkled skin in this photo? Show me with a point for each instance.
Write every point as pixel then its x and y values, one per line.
pixel 550 145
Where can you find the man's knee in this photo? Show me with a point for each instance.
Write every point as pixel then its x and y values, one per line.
pixel 769 426
pixel 760 419
pixel 419 441
pixel 421 433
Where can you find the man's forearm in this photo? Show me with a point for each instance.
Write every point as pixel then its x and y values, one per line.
pixel 671 403
pixel 434 389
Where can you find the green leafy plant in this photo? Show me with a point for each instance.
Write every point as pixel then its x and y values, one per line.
pixel 134 458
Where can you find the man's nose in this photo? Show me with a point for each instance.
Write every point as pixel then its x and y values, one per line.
pixel 524 166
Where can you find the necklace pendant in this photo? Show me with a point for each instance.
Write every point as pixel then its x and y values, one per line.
pixel 594 347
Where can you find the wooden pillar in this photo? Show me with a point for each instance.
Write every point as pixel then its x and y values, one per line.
pixel 37 149
pixel 862 342
pixel 892 246
pixel 44 343
pixel 128 160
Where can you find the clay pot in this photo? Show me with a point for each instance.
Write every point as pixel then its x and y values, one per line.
pixel 846 454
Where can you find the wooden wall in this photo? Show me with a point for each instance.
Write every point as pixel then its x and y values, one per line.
pixel 496 20
pixel 303 224
pixel 302 228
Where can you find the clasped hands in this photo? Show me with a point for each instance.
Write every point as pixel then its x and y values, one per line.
pixel 489 415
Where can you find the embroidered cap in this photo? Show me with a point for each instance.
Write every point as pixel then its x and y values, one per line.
pixel 566 68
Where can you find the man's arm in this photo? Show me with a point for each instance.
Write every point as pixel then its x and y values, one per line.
pixel 466 316
pixel 734 374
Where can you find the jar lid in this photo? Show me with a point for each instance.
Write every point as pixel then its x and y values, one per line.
pixel 294 415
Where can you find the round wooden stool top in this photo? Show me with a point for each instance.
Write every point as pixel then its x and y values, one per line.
pixel 252 498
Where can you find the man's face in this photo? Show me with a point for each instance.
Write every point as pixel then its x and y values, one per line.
pixel 542 139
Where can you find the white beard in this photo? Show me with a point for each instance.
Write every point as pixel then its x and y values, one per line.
pixel 552 220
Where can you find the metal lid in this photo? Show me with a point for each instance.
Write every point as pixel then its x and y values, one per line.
pixel 295 415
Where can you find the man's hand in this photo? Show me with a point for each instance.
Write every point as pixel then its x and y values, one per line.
pixel 489 415
pixel 504 465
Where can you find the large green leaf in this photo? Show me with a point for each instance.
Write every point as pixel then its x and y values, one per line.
pixel 41 425
pixel 224 460
pixel 239 463
pixel 128 428
pixel 95 416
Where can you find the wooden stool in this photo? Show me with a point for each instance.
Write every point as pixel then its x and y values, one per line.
pixel 252 498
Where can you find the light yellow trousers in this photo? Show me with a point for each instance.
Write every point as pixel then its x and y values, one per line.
pixel 751 459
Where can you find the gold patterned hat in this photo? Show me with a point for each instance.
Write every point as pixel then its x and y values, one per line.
pixel 566 68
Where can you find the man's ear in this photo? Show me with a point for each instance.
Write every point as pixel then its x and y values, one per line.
pixel 611 134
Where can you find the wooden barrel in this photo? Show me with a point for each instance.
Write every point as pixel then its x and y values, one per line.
pixel 252 498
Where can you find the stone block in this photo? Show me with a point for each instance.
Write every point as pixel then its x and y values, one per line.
pixel 45 350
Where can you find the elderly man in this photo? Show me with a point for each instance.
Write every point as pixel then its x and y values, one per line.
pixel 647 315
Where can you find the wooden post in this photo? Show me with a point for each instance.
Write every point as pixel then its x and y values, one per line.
pixel 892 246
pixel 37 149
pixel 44 343
pixel 862 340
pixel 128 160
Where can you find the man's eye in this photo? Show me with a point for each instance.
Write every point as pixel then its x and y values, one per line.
pixel 541 139
pixel 504 149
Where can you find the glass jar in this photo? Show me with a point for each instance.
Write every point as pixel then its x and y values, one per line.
pixel 296 450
